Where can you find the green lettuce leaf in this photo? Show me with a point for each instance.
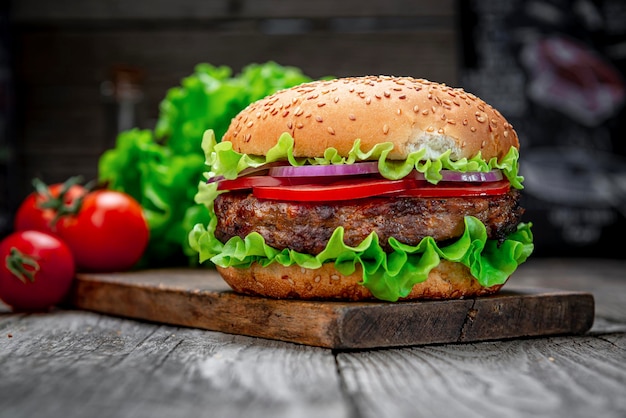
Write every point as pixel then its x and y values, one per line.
pixel 224 161
pixel 161 168
pixel 389 276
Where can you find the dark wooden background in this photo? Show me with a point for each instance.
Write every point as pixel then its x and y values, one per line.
pixel 65 50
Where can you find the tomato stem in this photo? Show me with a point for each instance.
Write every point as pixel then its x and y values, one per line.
pixel 17 263
pixel 57 204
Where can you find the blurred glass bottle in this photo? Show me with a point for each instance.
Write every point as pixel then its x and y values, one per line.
pixel 123 95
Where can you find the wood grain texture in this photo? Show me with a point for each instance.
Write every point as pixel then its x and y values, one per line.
pixel 75 363
pixel 555 377
pixel 200 298
pixel 72 364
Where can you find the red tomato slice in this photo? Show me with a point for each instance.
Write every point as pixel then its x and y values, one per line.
pixel 358 189
pixel 341 190
pixel 457 189
pixel 249 182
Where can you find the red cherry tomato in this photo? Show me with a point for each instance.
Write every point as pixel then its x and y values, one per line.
pixel 109 232
pixel 40 209
pixel 36 270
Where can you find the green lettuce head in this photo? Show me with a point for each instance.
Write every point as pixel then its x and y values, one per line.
pixel 389 275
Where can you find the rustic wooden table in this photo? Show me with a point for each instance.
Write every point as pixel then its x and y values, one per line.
pixel 74 363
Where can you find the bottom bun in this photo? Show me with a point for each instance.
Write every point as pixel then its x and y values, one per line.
pixel 446 281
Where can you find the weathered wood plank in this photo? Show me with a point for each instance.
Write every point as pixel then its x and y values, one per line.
pixel 200 298
pixel 70 364
pixel 77 363
pixel 580 376
pixel 605 278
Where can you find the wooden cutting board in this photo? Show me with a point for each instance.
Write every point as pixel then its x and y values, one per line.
pixel 200 298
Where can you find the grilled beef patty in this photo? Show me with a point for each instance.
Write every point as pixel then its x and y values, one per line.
pixel 306 227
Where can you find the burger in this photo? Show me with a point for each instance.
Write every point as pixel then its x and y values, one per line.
pixel 364 188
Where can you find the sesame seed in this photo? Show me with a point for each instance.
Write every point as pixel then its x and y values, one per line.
pixel 451 121
pixel 440 130
pixel 385 129
pixel 247 137
pixel 321 104
pixel 330 130
pixel 399 112
pixel 378 96
pixel 368 100
pixel 351 117
pixel 317 279
pixel 416 108
pixel 298 111
pixel 336 99
pixel 402 97
pixel 289 125
pixel 506 134
pixel 425 112
pixel 473 129
pixel 465 122
pixel 299 125
pixel 249 124
pixel 480 117
pixel 334 277
pixel 285 113
pixel 319 119
pixel 386 93
pixel 430 129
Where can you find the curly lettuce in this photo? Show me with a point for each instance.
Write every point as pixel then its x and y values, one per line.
pixel 389 276
pixel 160 168
pixel 226 162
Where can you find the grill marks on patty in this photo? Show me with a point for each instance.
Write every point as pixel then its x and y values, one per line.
pixel 306 227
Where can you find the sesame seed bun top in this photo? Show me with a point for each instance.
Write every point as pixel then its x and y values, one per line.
pixel 411 113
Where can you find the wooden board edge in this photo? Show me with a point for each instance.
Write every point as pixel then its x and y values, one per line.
pixel 343 325
pixel 210 311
